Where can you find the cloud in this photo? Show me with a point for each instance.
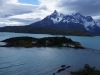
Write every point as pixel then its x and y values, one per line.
pixel 8 1
pixel 43 8
pixel 14 13
pixel 10 9
pixel 25 21
pixel 87 7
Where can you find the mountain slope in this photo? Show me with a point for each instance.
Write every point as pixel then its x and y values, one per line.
pixel 61 24
pixel 43 30
pixel 69 22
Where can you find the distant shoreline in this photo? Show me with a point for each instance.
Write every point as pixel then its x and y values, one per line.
pixel 54 34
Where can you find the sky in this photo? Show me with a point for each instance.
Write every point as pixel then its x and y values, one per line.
pixel 25 12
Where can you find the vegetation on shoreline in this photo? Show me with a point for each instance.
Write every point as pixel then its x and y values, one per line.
pixel 87 70
pixel 26 41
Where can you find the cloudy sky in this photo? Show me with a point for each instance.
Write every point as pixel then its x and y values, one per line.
pixel 24 12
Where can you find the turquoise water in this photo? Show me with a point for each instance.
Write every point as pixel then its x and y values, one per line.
pixel 90 42
pixel 44 60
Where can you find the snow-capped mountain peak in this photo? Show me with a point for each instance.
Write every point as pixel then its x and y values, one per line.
pixel 56 17
pixel 54 14
pixel 87 21
pixel 74 21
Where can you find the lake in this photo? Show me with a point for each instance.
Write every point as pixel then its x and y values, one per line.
pixel 45 60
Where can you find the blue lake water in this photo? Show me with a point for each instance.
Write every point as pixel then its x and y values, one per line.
pixel 44 60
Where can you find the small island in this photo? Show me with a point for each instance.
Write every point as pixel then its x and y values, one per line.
pixel 28 42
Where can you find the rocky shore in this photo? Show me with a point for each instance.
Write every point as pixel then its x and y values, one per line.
pixel 86 70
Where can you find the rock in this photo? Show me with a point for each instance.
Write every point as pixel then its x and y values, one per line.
pixel 68 66
pixel 63 66
pixel 60 70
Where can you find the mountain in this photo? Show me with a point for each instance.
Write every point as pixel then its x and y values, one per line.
pixel 69 22
pixel 61 24
pixel 98 23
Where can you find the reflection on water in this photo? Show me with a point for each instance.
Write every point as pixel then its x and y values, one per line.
pixel 2 43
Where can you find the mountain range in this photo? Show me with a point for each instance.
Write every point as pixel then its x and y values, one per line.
pixel 59 23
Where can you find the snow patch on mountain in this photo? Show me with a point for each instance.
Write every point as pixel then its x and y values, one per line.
pixel 56 20
pixel 56 17
pixel 74 21
pixel 87 21
pixel 87 24
pixel 98 23
pixel 92 23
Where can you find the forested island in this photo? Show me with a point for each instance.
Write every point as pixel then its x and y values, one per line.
pixel 28 42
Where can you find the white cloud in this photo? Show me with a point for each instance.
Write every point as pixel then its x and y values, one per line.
pixel 14 13
pixel 14 8
pixel 96 17
pixel 10 8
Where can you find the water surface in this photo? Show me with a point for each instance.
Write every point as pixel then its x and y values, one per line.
pixel 44 60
